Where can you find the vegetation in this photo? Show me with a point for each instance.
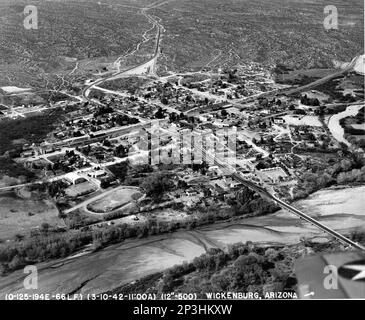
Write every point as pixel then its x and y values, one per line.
pixel 97 32
pixel 10 168
pixel 350 169
pixel 129 174
pixel 356 136
pixel 157 184
pixel 120 170
pixel 205 26
pixel 41 246
pixel 309 101
pixel 130 84
pixel 242 268
pixel 47 245
pixel 247 201
pixel 32 129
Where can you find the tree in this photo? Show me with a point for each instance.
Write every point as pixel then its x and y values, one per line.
pixel 346 165
pixel 45 227
pixel 160 114
pixel 221 281
pixel 107 143
pixel 16 262
pixel 104 184
pixel 157 184
pixel 121 151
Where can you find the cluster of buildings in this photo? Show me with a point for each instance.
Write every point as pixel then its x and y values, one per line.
pixel 268 132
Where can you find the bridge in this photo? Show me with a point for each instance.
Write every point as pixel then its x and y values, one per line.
pixel 231 171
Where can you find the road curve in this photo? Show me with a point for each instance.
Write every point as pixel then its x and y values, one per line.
pixel 155 55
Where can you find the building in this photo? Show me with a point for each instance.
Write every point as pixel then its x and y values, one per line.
pixel 74 178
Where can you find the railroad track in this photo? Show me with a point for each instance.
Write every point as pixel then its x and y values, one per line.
pixel 238 177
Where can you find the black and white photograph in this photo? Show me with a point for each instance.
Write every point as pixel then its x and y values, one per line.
pixel 202 153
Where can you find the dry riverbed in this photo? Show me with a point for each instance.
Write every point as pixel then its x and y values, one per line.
pixel 112 267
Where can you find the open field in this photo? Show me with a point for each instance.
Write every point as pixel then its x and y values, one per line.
pixel 130 84
pixel 112 201
pixel 19 215
pixel 81 189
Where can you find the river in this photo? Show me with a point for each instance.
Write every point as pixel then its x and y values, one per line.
pixel 341 209
pixel 334 122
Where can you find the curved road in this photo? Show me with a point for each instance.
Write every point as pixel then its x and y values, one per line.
pixel 86 90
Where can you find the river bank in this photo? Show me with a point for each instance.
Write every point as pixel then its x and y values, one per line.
pixel 114 266
pixel 335 127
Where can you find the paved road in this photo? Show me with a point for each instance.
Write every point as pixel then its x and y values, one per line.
pixel 325 79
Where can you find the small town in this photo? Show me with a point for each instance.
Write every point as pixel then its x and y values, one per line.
pixel 175 149
pixel 99 152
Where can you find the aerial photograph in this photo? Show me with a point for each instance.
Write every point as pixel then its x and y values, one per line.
pixel 207 151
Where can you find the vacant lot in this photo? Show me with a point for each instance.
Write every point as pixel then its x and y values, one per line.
pixel 113 201
pixel 81 189
pixel 19 215
pixel 130 84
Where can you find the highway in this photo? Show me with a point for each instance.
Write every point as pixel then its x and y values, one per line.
pixel 86 90
pixel 324 79
pixel 290 91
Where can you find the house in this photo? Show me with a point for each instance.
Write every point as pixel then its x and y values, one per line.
pixel 191 193
pixel 220 185
pixel 232 183
pixel 98 174
pixel 27 154
pixel 229 196
pixel 279 120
